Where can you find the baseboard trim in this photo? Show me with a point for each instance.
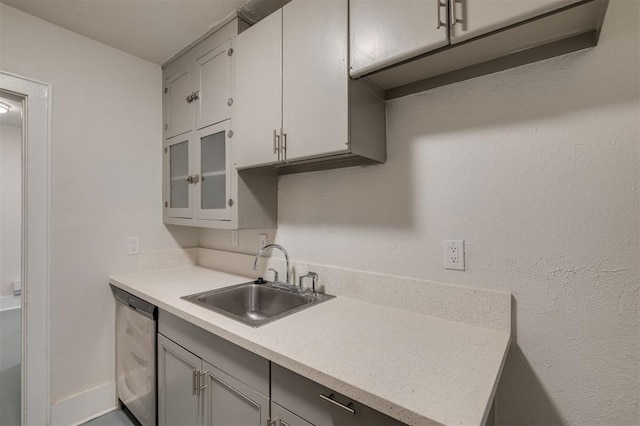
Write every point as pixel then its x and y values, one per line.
pixel 84 406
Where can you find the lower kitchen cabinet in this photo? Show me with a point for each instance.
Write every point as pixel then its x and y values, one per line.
pixel 179 401
pixel 206 380
pixel 194 392
pixel 230 402
pixel 315 404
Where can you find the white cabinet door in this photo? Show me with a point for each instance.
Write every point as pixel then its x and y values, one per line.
pixel 230 402
pixel 385 32
pixel 178 114
pixel 179 402
pixel 213 186
pixel 258 93
pixel 213 84
pixel 471 18
pixel 178 154
pixel 315 118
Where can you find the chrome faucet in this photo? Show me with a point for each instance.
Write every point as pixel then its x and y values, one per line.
pixel 287 284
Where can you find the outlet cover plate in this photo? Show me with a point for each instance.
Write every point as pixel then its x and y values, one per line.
pixel 454 254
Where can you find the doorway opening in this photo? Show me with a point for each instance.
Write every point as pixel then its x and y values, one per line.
pixel 25 207
pixel 10 258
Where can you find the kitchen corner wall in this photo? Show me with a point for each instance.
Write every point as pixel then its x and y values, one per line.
pixel 537 169
pixel 105 184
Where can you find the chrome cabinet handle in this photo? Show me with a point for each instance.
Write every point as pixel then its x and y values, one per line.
pixel 454 17
pixel 189 98
pixel 196 95
pixel 276 143
pixel 195 382
pixel 346 408
pixel 189 179
pixel 284 147
pixel 440 5
pixel 203 375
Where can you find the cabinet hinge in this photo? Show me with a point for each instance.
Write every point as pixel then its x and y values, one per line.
pixel 166 90
pixel 166 126
pixel 166 150
pixel 166 204
pixel 230 202
pixel 230 52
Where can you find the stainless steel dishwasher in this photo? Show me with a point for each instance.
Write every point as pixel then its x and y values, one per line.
pixel 136 356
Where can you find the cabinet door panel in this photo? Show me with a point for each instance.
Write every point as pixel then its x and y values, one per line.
pixel 258 92
pixel 178 112
pixel 213 74
pixel 213 189
pixel 230 402
pixel 315 78
pixel 178 402
pixel 385 32
pixel 285 417
pixel 483 16
pixel 177 168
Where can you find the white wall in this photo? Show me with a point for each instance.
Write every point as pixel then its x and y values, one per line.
pixel 10 207
pixel 106 183
pixel 537 168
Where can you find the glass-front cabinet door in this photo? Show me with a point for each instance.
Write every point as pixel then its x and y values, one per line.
pixel 177 178
pixel 213 189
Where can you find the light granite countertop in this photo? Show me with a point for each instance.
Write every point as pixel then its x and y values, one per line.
pixel 418 369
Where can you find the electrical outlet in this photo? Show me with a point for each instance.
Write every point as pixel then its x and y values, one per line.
pixel 454 254
pixel 133 246
pixel 263 240
pixel 235 239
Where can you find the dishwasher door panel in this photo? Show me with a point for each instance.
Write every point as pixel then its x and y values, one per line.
pixel 136 363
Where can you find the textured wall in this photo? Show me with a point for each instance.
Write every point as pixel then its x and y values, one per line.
pixel 106 183
pixel 537 168
pixel 10 207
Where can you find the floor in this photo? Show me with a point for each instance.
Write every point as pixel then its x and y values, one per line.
pixel 10 372
pixel 113 418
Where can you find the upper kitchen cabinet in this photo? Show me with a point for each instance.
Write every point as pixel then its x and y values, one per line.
pixel 385 32
pixel 197 85
pixel 295 106
pixel 201 186
pixel 471 18
pixel 258 92
pixel 177 98
pixel 409 46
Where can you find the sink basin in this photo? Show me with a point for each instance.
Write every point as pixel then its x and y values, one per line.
pixel 255 304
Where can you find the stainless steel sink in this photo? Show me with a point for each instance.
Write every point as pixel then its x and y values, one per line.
pixel 255 304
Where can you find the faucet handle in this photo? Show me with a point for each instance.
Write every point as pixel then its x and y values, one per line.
pixel 275 279
pixel 314 280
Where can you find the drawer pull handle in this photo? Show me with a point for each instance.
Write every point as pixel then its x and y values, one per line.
pixel 346 408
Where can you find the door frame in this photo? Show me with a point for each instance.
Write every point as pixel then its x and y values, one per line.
pixel 36 246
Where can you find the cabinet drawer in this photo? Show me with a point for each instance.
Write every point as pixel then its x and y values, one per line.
pixel 320 405
pixel 245 366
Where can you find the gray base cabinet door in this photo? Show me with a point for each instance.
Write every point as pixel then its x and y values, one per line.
pixel 282 417
pixel 178 398
pixel 230 402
